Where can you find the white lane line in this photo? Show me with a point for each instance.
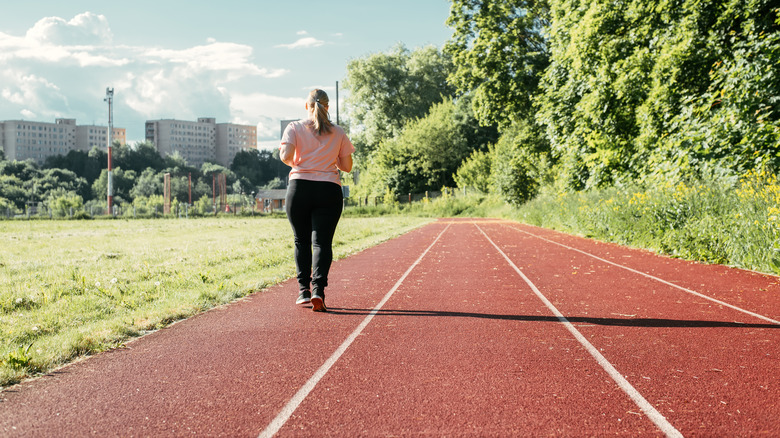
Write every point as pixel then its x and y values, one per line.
pixel 302 393
pixel 692 292
pixel 659 420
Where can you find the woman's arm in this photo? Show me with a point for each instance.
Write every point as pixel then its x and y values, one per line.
pixel 287 153
pixel 344 163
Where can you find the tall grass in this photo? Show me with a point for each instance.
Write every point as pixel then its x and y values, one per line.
pixel 734 222
pixel 72 288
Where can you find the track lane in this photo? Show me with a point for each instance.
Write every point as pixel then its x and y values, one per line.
pixel 287 411
pixel 646 407
pixel 706 367
pixel 464 348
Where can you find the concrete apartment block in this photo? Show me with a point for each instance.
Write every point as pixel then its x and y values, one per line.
pixel 201 141
pixel 26 140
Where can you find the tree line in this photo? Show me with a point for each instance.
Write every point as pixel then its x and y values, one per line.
pixel 572 95
pixel 79 179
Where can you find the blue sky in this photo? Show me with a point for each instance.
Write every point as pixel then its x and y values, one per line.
pixel 250 62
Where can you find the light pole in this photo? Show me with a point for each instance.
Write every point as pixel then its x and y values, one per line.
pixel 110 187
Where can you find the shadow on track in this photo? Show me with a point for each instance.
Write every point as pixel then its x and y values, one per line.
pixel 620 322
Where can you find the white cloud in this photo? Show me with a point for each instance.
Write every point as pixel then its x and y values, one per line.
pixel 60 68
pixel 303 43
pixel 34 93
pixel 302 32
pixel 269 105
pixel 229 57
pixel 83 29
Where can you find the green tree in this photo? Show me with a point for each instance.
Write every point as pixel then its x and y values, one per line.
pixel 520 164
pixel 83 164
pixel 6 205
pixel 123 183
pixel 499 52
pixel 149 204
pixel 139 157
pixel 664 88
pixel 11 189
pixel 54 179
pixel 424 156
pixel 275 183
pixel 475 172
pixel 24 170
pixel 258 167
pixel 247 164
pixel 62 201
pixel 22 182
pixel 387 90
pixel 147 184
pixel 735 122
pixel 210 169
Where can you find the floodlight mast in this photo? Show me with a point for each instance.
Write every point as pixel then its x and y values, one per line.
pixel 110 186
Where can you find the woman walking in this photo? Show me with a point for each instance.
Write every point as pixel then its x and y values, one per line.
pixel 316 149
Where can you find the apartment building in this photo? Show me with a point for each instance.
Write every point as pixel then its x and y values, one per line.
pixel 201 141
pixel 25 140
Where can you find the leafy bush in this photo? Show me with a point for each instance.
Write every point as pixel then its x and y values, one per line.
pixel 520 164
pixel 82 215
pixel 475 171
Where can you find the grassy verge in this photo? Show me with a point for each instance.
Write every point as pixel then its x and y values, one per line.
pixel 726 222
pixel 73 288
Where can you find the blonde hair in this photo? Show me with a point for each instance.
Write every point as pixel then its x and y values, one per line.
pixel 318 100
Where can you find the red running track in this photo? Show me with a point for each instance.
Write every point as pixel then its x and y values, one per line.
pixel 462 327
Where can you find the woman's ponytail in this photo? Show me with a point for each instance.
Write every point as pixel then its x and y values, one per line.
pixel 318 101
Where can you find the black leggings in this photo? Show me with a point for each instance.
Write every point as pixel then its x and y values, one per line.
pixel 313 209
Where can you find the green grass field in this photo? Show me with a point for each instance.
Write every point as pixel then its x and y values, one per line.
pixel 74 288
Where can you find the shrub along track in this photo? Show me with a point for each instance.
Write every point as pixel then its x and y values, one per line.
pixel 476 327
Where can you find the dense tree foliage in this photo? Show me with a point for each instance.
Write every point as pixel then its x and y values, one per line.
pixel 591 93
pixel 388 90
pixel 638 83
pixel 22 183
pixel 259 167
pixel 499 52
